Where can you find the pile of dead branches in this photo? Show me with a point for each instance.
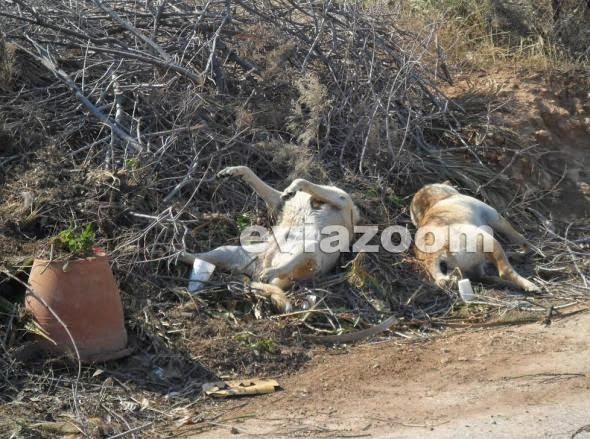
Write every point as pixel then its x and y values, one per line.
pixel 119 114
pixel 143 103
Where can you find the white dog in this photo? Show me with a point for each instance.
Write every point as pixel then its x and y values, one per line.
pixel 305 210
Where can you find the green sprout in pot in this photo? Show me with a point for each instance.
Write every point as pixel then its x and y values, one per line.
pixel 79 245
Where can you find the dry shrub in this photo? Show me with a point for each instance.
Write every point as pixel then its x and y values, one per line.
pixel 340 93
pixel 474 37
pixel 352 102
pixel 6 63
pixel 572 27
pixel 299 160
pixel 309 115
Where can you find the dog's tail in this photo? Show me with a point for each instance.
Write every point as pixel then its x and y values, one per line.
pixel 276 295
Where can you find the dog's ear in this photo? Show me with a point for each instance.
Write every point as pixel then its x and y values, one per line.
pixel 447 183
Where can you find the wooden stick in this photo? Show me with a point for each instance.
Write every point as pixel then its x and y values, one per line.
pixel 354 336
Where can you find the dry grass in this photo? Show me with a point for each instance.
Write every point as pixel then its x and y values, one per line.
pixel 473 41
pixel 6 63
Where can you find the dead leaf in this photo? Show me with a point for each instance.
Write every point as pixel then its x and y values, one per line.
pixel 254 386
pixel 187 420
pixel 57 427
pixel 145 403
pixel 129 406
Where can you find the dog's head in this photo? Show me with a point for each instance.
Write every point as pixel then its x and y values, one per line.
pixel 426 197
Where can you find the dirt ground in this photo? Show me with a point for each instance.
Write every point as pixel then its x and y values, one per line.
pixel 526 381
pixel 551 113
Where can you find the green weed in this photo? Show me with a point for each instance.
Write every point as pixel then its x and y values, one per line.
pixel 242 221
pixel 132 164
pixel 78 244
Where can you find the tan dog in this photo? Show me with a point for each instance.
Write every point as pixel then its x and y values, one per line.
pixel 441 209
pixel 280 263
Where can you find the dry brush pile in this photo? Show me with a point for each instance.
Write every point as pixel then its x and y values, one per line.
pixel 119 114
pixel 122 113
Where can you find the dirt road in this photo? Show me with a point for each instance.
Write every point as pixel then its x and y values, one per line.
pixel 526 381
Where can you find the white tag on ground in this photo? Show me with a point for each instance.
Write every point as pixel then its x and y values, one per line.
pixel 201 272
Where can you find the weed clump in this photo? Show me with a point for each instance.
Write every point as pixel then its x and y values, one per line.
pixel 77 244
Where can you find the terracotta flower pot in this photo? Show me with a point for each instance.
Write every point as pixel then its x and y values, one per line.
pixel 86 298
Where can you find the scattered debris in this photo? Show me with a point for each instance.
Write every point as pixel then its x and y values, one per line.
pixel 354 336
pixel 240 388
pixel 309 301
pixel 27 200
pixel 61 428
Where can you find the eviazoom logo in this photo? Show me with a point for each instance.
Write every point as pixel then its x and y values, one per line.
pixel 394 239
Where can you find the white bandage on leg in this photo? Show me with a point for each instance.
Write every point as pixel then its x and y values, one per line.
pixel 201 272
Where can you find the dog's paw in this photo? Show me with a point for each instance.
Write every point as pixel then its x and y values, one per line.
pixel 232 171
pixel 267 274
pixel 296 186
pixel 530 287
pixel 281 303
pixel 448 282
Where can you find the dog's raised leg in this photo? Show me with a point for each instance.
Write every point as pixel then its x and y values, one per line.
pixel 507 272
pixel 326 194
pixel 271 196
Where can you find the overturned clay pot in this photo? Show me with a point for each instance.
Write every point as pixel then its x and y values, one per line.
pixel 84 295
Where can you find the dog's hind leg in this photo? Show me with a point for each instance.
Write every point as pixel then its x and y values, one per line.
pixel 238 259
pixel 271 196
pixel 228 257
pixel 496 281
pixel 275 278
pixel 442 275
pixel 506 271
pixel 502 226
pixel 291 267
